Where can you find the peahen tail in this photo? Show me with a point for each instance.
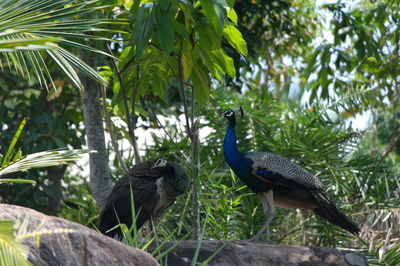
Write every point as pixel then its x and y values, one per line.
pixel 328 210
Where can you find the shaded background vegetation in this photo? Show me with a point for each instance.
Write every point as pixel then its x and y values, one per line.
pixel 309 70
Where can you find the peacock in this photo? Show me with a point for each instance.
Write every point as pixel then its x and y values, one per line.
pixel 278 181
pixel 154 186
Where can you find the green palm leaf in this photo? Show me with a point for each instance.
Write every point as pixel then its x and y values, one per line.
pixel 44 159
pixel 11 251
pixel 30 29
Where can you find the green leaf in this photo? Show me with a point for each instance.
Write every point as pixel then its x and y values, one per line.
pixel 13 180
pixel 235 38
pixel 164 21
pixel 372 59
pixel 215 11
pixel 26 27
pixel 225 62
pixel 324 81
pixel 27 44
pixel 233 16
pixel 11 251
pixel 187 59
pixel 144 23
pixel 7 157
pixel 210 38
pixel 66 67
pixel 207 57
pixel 201 83
pixel 44 159
pixel 311 62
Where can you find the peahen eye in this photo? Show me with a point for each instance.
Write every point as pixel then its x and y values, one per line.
pixel 160 163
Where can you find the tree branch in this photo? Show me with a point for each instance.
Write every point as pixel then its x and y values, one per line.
pixel 393 142
pixel 395 138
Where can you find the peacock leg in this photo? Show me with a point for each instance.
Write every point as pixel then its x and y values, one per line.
pixel 267 201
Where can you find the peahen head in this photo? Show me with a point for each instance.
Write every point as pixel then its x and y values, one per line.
pixel 176 181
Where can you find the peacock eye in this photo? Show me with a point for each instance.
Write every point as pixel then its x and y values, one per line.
pixel 228 113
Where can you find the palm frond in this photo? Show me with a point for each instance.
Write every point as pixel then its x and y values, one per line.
pixel 12 252
pixel 44 159
pixel 31 29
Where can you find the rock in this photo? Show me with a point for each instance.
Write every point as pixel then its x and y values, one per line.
pixel 250 253
pixel 83 246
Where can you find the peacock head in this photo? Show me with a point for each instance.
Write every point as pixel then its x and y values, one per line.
pixel 231 114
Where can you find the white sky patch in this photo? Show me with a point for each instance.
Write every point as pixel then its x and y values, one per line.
pixel 144 139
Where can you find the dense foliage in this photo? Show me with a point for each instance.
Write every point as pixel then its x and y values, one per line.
pixel 302 72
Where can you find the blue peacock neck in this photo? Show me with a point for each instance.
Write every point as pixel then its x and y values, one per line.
pixel 231 153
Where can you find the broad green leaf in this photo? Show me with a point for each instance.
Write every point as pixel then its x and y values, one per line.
pixel 210 38
pixel 233 16
pixel 144 23
pixel 214 10
pixel 201 83
pixel 235 38
pixel 207 60
pixel 158 87
pixel 180 29
pixel 187 59
pixel 311 63
pixel 164 29
pixel 224 61
pixel 323 80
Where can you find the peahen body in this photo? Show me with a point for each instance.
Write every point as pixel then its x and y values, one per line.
pixel 278 181
pixel 155 186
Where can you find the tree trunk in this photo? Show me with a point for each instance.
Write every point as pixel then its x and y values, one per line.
pixel 55 174
pixel 100 179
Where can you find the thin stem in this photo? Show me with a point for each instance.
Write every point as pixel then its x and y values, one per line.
pixel 130 120
pixel 183 94
pixel 374 132
pixel 195 174
pixel 193 134
pixel 184 157
pixel 122 88
pixel 114 142
pixel 134 117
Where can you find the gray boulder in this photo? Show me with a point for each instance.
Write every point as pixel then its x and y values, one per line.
pixel 83 246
